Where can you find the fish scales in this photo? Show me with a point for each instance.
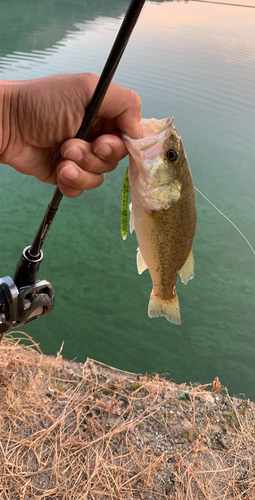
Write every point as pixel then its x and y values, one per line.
pixel 163 212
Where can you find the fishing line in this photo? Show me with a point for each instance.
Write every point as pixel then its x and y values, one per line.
pixel 225 3
pixel 240 232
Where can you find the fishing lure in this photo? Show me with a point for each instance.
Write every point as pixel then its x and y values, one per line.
pixel 124 207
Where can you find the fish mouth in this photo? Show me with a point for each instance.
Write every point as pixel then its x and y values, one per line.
pixel 154 127
pixel 154 134
pixel 153 131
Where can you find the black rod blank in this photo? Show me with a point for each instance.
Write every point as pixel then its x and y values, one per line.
pixel 104 81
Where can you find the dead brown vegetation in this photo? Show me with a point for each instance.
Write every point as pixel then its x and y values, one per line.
pixel 70 431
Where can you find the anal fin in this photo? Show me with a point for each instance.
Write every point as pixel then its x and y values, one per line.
pixel 187 271
pixel 168 308
pixel 141 266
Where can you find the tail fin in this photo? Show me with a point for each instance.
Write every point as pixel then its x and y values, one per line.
pixel 168 308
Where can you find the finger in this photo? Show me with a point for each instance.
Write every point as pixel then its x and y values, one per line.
pixel 125 106
pixel 119 103
pixel 73 180
pixel 101 156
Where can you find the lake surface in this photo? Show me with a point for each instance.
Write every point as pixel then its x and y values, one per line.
pixel 191 60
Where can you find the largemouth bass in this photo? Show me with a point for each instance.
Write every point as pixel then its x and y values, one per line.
pixel 163 212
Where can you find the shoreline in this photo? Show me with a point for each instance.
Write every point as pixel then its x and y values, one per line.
pixel 87 431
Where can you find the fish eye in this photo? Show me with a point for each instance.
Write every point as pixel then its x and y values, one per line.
pixel 172 154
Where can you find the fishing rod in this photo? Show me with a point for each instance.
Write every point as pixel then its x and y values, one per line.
pixel 24 299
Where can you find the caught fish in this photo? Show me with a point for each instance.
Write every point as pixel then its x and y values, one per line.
pixel 163 212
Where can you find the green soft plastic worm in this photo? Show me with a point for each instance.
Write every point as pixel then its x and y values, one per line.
pixel 124 207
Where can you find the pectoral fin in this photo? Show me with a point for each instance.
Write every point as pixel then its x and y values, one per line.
pixel 141 266
pixel 168 308
pixel 157 223
pixel 187 272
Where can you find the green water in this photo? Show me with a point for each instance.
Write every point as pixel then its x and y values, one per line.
pixel 194 61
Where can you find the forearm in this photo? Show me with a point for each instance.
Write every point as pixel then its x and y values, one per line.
pixel 1 114
pixel 8 93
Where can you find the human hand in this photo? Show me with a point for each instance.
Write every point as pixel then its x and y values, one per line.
pixel 41 118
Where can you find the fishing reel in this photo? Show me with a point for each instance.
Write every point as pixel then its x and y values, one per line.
pixel 24 298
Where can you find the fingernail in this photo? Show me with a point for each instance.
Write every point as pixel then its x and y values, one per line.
pixel 68 173
pixel 74 154
pixel 103 150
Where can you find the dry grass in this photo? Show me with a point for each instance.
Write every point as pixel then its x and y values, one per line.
pixel 70 431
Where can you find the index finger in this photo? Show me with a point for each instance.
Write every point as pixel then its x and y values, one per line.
pixel 120 104
pixel 124 105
